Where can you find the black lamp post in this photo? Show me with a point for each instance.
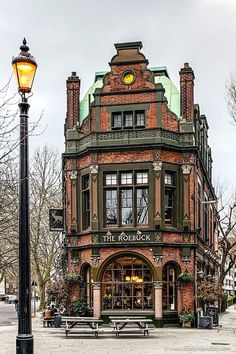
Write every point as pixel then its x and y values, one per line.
pixel 24 68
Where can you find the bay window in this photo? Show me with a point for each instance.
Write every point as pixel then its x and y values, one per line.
pixel 126 198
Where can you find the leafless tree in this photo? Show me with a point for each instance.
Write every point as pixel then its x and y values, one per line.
pixel 8 219
pixel 227 236
pixel 230 97
pixel 45 182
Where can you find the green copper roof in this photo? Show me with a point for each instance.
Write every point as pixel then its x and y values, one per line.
pixel 161 76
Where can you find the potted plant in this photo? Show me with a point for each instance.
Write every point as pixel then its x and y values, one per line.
pixel 185 277
pixel 186 317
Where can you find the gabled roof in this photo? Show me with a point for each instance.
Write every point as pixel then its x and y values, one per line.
pixel 161 76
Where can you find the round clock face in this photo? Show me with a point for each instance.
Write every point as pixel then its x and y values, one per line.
pixel 128 77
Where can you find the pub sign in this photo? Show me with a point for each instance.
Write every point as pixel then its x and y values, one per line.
pixel 56 219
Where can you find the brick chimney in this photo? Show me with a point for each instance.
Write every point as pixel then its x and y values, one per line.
pixel 73 95
pixel 187 93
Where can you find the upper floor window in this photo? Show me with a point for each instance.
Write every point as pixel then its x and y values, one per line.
pixel 126 200
pixel 206 218
pixel 128 119
pixel 199 204
pixel 85 203
pixel 170 191
pixel 140 119
pixel 117 120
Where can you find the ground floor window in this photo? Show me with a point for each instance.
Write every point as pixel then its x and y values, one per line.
pixel 127 285
pixel 86 291
pixel 169 294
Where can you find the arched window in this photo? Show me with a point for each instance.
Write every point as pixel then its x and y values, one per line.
pixel 127 285
pixel 169 294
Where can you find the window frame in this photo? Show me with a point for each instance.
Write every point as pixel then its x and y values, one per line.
pixel 123 114
pixel 173 188
pixel 120 289
pixel 121 120
pixel 119 187
pixel 85 192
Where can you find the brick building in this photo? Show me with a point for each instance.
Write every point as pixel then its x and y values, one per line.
pixel 138 189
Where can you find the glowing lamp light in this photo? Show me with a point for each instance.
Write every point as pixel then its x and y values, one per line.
pixel 139 280
pixel 24 67
pixel 127 278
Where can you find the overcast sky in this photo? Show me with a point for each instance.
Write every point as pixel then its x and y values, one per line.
pixel 77 35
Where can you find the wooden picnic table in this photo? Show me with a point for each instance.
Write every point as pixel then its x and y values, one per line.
pixel 82 325
pixel 131 325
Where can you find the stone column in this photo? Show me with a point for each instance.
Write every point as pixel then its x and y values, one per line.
pixel 158 299
pixel 157 166
pixel 94 196
pixel 97 300
pixel 179 298
pixel 186 169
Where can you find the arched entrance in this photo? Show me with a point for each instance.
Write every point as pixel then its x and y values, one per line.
pixel 127 285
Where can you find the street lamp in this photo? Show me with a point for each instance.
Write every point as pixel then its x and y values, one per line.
pixel 24 68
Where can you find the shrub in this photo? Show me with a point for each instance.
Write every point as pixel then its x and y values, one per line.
pixel 80 307
pixel 230 300
pixel 186 316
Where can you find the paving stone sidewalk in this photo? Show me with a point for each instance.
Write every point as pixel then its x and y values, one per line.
pixel 161 341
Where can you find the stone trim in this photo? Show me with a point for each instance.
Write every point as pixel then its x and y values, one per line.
pixel 94 169
pixel 158 284
pixel 96 286
pixel 186 168
pixel 157 166
pixel 73 174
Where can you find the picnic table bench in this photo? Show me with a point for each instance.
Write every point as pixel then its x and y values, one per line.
pixel 131 325
pixel 48 322
pixel 82 325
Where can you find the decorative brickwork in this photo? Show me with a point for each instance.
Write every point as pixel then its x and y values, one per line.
pixel 132 170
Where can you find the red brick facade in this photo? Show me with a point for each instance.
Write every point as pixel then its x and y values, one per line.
pixel 165 146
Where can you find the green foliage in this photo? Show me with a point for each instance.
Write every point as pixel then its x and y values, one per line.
pixel 73 278
pixel 185 277
pixel 230 300
pixel 80 307
pixel 186 316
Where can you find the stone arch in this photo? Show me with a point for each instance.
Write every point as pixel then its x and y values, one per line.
pixel 174 264
pixel 120 254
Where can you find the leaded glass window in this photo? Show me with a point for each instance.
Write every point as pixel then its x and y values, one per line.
pixel 142 206
pixel 127 206
pixel 111 179
pixel 127 285
pixel 140 119
pixel 117 120
pixel 126 198
pixel 128 119
pixel 111 206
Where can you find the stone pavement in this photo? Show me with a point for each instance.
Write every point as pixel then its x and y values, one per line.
pixel 161 341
